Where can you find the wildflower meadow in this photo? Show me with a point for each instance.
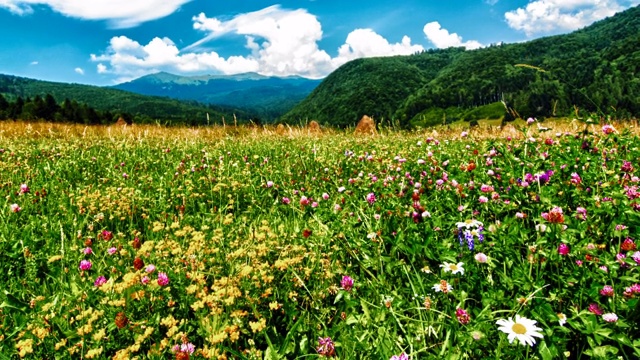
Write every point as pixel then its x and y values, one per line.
pixel 241 243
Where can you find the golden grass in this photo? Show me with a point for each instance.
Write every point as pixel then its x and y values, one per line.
pixel 10 130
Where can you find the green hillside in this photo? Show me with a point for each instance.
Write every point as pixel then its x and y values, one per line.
pixel 142 108
pixel 594 70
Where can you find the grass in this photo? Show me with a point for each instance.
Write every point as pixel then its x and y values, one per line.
pixel 246 243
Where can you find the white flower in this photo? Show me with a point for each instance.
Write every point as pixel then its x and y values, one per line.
pixel 453 268
pixel 610 317
pixel 467 224
pixel 522 329
pixel 442 286
pixel 562 319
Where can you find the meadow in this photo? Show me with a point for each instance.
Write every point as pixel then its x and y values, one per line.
pixel 241 243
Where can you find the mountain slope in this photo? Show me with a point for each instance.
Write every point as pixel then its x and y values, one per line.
pixel 269 97
pixel 143 108
pixel 594 69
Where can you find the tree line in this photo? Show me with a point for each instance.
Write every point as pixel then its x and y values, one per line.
pixel 46 108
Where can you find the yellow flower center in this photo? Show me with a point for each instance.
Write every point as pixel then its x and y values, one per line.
pixel 519 329
pixel 453 267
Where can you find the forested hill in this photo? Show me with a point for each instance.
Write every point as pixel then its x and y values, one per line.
pixel 592 70
pixel 142 108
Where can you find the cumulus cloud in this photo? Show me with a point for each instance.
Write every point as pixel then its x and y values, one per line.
pixel 280 42
pixel 79 70
pixel 366 43
pixel 442 39
pixel 120 13
pixel 554 16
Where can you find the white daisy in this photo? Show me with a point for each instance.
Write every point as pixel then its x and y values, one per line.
pixel 453 268
pixel 442 286
pixel 522 329
pixel 467 224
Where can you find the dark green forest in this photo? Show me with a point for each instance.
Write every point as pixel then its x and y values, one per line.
pixel 46 108
pixel 590 71
pixel 105 101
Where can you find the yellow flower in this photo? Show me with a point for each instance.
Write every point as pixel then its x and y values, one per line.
pixel 257 326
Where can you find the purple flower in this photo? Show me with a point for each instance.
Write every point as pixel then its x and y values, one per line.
pixel 163 279
pixel 100 280
pixel 325 347
pixel 286 201
pixel 347 283
pixel 85 265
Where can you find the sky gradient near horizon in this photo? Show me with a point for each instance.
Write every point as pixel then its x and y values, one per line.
pixel 103 42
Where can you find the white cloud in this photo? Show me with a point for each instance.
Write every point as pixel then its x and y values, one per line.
pixel 553 16
pixel 280 42
pixel 33 63
pixel 366 43
pixel 101 69
pixel 120 13
pixel 79 70
pixel 442 39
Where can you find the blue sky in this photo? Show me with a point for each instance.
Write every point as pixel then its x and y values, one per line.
pixel 104 42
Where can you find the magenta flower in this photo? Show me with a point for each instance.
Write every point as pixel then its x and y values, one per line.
pixel 325 196
pixel 145 280
pixel 87 251
pixel 163 279
pixel 326 347
pixel 563 249
pixel 581 213
pixel 100 280
pixel 607 290
pixel 608 129
pixel 482 199
pixel 150 268
pixel 106 235
pixel 595 309
pixel 112 250
pixel 304 201
pixel 371 198
pixel 402 356
pixel 85 265
pixel 575 179
pixel 462 316
pixel 24 189
pixel 15 208
pixel 347 283
pixel 286 201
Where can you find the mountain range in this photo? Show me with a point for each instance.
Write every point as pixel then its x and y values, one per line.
pixel 266 97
